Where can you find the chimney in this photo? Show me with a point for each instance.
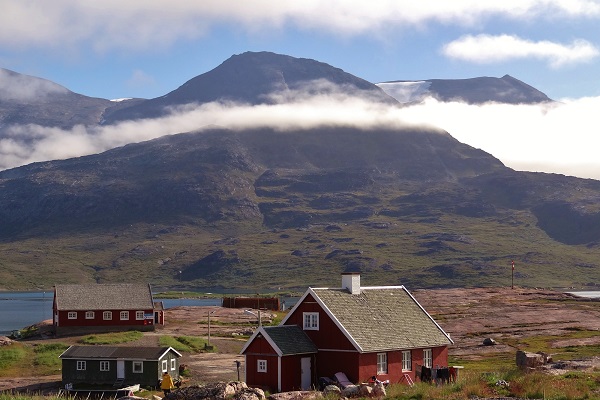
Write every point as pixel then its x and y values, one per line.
pixel 351 282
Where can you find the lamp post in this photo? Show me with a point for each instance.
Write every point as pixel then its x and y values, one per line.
pixel 208 343
pixel 257 316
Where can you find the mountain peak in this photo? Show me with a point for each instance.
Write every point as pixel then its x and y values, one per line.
pixel 253 78
pixel 477 90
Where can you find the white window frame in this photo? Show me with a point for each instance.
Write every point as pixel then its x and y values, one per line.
pixel 104 366
pixel 165 365
pixel 124 315
pixel 406 360
pixel 382 364
pixel 139 315
pixel 427 358
pixel 261 365
pixel 139 365
pixel 310 321
pixel 90 315
pixel 173 364
pixel 107 315
pixel 81 365
pixel 72 315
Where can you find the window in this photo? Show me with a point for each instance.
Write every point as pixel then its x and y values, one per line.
pixel 406 360
pixel 261 366
pixel 139 315
pixel 72 315
pixel 382 363
pixel 80 365
pixel 89 315
pixel 138 367
pixel 104 366
pixel 164 365
pixel 124 315
pixel 107 315
pixel 311 321
pixel 173 362
pixel 427 358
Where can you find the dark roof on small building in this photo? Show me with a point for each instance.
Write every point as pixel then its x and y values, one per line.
pixel 113 296
pixel 286 340
pixel 114 352
pixel 381 318
pixel 290 339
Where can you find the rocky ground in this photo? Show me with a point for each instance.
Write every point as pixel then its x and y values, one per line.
pixel 468 315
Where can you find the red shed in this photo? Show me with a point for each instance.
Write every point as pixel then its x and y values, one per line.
pixel 283 358
pixel 104 307
pixel 369 331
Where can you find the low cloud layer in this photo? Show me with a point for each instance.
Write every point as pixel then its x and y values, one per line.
pixel 23 88
pixel 559 137
pixel 486 49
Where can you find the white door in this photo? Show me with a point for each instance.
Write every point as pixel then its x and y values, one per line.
pixel 305 381
pixel 120 369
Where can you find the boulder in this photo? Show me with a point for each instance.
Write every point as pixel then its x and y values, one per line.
pixel 379 390
pixel 250 394
pixel 365 391
pixel 331 389
pixel 489 342
pixel 296 395
pixel 351 391
pixel 213 391
pixel 529 360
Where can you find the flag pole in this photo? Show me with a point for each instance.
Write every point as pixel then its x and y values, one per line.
pixel 512 284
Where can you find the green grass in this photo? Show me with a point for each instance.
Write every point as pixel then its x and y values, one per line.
pixel 20 359
pixel 112 338
pixel 191 344
pixel 10 357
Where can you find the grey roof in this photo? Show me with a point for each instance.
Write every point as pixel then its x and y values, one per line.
pixel 114 296
pixel 114 352
pixel 382 318
pixel 290 339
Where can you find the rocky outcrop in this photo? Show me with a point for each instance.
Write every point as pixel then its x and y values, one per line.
pixel 218 391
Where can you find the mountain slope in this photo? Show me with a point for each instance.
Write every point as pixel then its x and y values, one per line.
pixel 473 91
pixel 260 209
pixel 29 100
pixel 252 78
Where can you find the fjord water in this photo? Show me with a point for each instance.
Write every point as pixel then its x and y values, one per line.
pixel 22 309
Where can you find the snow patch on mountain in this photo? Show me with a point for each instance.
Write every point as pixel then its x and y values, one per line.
pixel 406 91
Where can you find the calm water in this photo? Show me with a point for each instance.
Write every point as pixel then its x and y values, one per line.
pixel 21 309
pixel 589 294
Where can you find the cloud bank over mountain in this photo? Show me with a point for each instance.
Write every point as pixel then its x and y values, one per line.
pixel 556 137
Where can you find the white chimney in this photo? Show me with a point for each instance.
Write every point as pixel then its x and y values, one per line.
pixel 351 282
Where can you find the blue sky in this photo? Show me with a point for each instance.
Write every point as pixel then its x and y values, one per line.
pixel 146 48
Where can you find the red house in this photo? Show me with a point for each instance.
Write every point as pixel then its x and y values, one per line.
pixel 371 331
pixel 81 309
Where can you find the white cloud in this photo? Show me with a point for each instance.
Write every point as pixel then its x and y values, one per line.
pixel 487 49
pixel 23 88
pixel 135 24
pixel 558 137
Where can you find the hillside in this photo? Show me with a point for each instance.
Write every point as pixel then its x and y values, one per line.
pixel 262 209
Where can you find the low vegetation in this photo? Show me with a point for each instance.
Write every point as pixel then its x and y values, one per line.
pixel 112 338
pixel 191 344
pixel 21 359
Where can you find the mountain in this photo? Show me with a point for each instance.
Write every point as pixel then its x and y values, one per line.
pixel 253 78
pixel 27 100
pixel 264 209
pixel 473 91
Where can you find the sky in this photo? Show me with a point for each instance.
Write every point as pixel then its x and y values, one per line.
pixel 146 48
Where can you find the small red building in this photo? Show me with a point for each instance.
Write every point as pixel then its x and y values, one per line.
pixel 370 331
pixel 81 309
